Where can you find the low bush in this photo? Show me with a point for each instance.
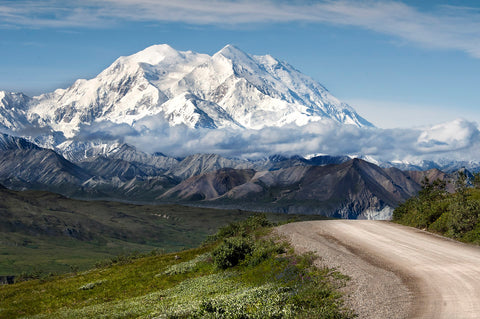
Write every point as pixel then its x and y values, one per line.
pixel 241 228
pixel 232 251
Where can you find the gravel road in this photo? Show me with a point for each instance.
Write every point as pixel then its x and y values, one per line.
pixel 395 271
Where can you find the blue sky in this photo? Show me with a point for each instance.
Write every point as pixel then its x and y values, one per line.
pixel 398 63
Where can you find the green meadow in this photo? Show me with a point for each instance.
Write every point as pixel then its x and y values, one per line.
pixel 243 271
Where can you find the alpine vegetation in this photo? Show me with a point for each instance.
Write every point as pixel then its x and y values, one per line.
pixel 244 271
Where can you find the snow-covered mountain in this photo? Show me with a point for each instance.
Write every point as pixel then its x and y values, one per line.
pixel 229 89
pixel 13 107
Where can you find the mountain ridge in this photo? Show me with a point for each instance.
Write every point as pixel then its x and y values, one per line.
pixel 228 89
pixel 353 189
pixel 334 186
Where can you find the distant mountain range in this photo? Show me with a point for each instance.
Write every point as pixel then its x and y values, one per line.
pixel 74 138
pixel 332 186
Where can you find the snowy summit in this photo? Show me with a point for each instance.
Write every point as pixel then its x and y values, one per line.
pixel 229 89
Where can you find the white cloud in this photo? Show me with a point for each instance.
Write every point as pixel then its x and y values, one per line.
pixel 458 140
pixel 444 27
pixel 449 136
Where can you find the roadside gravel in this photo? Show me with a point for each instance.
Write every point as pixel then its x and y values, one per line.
pixel 395 271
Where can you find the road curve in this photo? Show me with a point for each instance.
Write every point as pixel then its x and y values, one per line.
pixel 396 271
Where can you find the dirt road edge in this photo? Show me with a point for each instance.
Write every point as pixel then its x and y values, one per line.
pixel 376 289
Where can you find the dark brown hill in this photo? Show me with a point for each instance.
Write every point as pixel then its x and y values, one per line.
pixel 353 189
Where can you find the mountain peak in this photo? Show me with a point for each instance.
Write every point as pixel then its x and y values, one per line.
pixel 154 54
pixel 231 48
pixel 229 89
pixel 233 53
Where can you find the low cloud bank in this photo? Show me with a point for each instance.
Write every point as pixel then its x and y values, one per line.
pixel 456 140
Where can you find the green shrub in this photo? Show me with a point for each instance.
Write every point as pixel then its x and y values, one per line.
pixel 241 228
pixel 263 250
pixel 455 215
pixel 232 251
pixel 441 224
pixel 463 217
pixel 473 236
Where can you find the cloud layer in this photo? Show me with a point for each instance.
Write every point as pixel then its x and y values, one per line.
pixel 456 140
pixel 443 27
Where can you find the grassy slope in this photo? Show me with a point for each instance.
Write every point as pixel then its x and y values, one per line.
pixel 269 282
pixel 46 232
